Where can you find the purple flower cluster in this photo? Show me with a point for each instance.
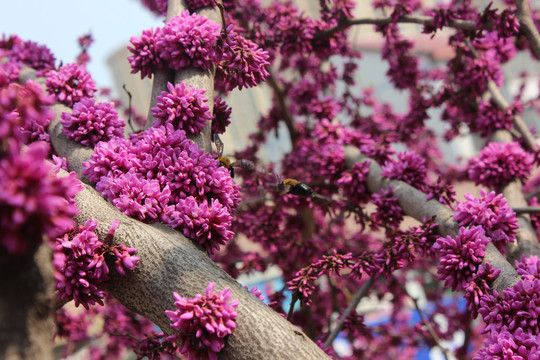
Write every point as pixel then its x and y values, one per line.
pixel 403 69
pixel 408 167
pixel 491 118
pixel 461 256
pixel 353 183
pixel 388 210
pixel 479 286
pixel 528 267
pixel 304 280
pixel 242 63
pixel 91 123
pixel 499 163
pixel 188 40
pixel 208 223
pixel 145 56
pixel 492 213
pixel 33 200
pixel 158 7
pixel 517 308
pixel 197 4
pixel 135 196
pixel 70 83
pixel 81 267
pixel 31 54
pixel 515 345
pixel 184 107
pixel 160 175
pixel 24 112
pixel 203 322
pixel 221 116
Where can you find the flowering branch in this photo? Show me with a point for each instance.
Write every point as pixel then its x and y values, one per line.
pixel 501 102
pixel 170 262
pixel 415 204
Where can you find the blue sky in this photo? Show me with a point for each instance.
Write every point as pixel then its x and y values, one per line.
pixel 58 24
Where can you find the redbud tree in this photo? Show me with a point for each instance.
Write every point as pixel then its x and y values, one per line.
pixel 124 236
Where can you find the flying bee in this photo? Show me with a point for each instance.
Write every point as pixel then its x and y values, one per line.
pixel 295 187
pixel 226 162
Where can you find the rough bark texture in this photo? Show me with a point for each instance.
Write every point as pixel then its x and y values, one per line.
pixel 26 311
pixel 171 262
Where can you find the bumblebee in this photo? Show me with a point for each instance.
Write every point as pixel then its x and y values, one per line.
pixel 226 162
pixel 295 187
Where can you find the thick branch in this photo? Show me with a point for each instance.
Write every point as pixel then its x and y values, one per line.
pixel 527 26
pixel 414 203
pixel 171 262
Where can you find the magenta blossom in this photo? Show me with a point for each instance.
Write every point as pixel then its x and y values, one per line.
pixel 189 40
pixel 243 63
pixel 208 223
pixel 158 7
pixel 492 213
pixel 221 116
pixel 91 123
pixel 408 167
pixel 197 4
pixel 70 84
pixel 461 256
pixel 33 200
pixel 184 107
pixel 203 322
pixel 32 54
pixel 145 57
pixel 499 163
pixel 81 268
pixel 353 183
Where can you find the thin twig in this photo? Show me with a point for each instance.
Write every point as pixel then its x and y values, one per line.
pixel 411 19
pixel 129 107
pixel 280 98
pixel 354 303
pixel 428 325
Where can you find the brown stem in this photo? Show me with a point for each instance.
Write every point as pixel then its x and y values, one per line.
pixel 526 210
pixel 414 19
pixel 354 303
pixel 428 325
pixel 283 108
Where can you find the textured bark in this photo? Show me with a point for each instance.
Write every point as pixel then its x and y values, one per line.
pixel 527 26
pixel 26 299
pixel 171 262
